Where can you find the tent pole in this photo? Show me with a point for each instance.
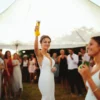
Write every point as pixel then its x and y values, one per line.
pixel 82 39
pixel 16 48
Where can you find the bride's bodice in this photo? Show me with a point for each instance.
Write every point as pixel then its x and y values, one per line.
pixel 46 79
pixel 47 64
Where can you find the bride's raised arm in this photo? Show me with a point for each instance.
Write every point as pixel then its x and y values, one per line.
pixel 37 33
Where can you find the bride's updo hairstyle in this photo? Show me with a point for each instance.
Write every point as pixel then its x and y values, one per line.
pixel 43 37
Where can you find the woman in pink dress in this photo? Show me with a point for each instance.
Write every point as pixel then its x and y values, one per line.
pixel 32 67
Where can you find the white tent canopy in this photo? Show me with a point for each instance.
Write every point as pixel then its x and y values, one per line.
pixel 58 18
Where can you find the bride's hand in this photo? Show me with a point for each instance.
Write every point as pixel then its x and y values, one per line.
pixel 54 69
pixel 84 72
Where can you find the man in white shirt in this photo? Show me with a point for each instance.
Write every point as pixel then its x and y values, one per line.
pixel 73 72
pixel 85 56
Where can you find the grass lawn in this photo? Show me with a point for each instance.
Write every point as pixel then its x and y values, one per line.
pixel 31 92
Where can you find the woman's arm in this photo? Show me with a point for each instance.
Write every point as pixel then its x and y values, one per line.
pixel 95 89
pixel 29 62
pixel 37 33
pixel 59 59
pixel 14 65
pixel 2 66
pixel 36 49
pixel 85 72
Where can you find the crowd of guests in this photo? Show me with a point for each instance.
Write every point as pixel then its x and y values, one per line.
pixel 30 69
pixel 14 70
pixel 10 75
pixel 67 69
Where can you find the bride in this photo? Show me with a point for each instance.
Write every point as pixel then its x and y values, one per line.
pixel 46 63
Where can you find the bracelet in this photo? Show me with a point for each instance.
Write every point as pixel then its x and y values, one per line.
pixel 95 90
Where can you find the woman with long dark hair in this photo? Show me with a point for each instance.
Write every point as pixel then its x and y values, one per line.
pixel 92 79
pixel 46 63
pixel 7 74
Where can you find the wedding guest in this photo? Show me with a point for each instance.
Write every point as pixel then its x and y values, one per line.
pixel 63 68
pixel 25 73
pixel 7 74
pixel 73 72
pixel 92 79
pixel 17 76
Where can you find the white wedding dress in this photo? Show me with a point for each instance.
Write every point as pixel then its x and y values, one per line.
pixel 46 80
pixel 90 95
pixel 17 77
